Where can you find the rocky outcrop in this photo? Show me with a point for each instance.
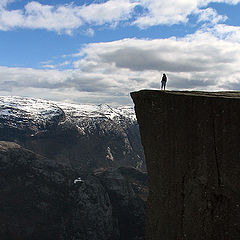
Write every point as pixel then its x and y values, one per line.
pixel 192 147
pixel 127 189
pixel 42 199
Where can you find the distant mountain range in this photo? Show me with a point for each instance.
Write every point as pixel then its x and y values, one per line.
pixel 70 172
pixel 84 137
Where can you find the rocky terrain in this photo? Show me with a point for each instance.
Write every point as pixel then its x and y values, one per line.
pixel 84 137
pixel 69 171
pixel 192 146
pixel 42 199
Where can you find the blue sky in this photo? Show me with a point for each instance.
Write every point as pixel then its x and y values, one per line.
pixel 98 51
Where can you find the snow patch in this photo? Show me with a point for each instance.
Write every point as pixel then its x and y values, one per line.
pixel 109 154
pixel 25 109
pixel 78 180
pixel 97 111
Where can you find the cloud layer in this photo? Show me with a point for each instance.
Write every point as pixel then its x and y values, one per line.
pixel 64 18
pixel 107 72
pixel 67 18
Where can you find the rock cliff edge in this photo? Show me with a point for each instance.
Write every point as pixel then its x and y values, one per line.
pixel 191 142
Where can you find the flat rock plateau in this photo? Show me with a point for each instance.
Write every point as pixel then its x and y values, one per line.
pixel 191 142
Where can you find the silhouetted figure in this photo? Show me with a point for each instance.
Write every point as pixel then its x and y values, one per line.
pixel 164 81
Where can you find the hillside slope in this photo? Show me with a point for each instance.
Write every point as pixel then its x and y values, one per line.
pixel 41 199
pixel 84 137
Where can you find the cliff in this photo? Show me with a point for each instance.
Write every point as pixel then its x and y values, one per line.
pixel 70 171
pixel 42 199
pixel 191 142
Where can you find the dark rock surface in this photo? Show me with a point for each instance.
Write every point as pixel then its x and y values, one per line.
pixel 191 142
pixel 127 189
pixel 42 199
pixel 102 148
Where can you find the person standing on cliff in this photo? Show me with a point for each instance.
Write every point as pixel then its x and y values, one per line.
pixel 164 81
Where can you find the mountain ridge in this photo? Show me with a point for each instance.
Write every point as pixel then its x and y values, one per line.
pixel 78 135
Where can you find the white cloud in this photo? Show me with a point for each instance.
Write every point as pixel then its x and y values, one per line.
pixel 230 33
pixel 107 72
pixel 49 66
pixel 173 55
pixel 67 18
pixel 10 19
pixel 219 31
pixel 210 15
pixel 4 3
pixel 177 11
pixel 89 32
pixel 64 18
pixel 166 12
pixel 61 18
pixel 108 12
pixel 65 63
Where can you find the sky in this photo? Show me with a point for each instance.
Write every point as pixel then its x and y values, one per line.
pixel 98 51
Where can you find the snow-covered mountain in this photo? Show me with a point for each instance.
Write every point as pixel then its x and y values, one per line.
pixel 83 136
pixel 97 111
pixel 21 112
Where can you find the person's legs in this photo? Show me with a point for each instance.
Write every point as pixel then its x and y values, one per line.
pixel 164 85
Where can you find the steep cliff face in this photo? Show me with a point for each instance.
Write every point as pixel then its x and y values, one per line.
pixel 192 147
pixel 127 189
pixel 42 199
